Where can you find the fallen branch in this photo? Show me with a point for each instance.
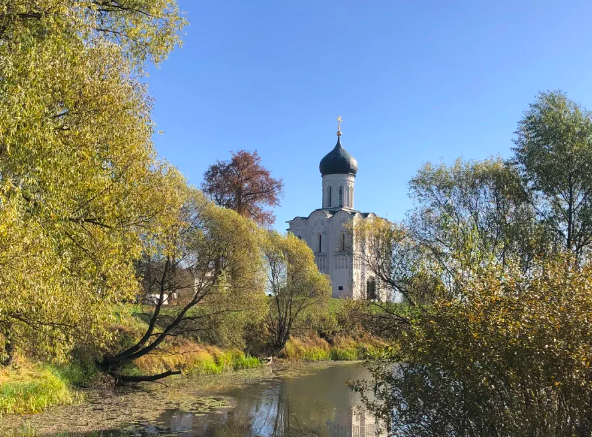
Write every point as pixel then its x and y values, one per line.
pixel 145 378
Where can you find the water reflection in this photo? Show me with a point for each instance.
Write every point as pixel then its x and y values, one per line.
pixel 314 405
pixel 302 401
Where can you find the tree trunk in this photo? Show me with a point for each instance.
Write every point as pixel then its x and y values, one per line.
pixel 9 352
pixel 144 378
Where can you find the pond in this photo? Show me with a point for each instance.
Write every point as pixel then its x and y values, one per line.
pixel 307 400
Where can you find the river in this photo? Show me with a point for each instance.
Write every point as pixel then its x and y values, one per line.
pixel 302 400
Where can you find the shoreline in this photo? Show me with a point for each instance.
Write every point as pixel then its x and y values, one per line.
pixel 31 386
pixel 121 407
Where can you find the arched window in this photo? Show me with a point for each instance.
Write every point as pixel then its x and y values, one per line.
pixel 371 289
pixel 340 196
pixel 329 196
pixel 320 243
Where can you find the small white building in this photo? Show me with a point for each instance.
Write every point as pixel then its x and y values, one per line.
pixel 325 233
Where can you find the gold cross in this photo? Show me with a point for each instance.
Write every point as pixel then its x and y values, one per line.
pixel 339 123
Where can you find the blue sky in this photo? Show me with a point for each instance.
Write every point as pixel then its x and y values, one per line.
pixel 415 81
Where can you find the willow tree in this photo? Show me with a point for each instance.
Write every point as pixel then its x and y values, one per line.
pixel 510 358
pixel 214 248
pixel 296 286
pixel 554 154
pixel 80 184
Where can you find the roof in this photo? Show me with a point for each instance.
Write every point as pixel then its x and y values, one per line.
pixel 332 212
pixel 338 161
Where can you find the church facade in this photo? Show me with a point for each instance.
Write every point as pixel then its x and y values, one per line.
pixel 326 233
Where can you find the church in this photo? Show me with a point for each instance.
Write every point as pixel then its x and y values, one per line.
pixel 325 233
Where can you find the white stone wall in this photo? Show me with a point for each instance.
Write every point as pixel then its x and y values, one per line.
pixel 333 257
pixel 333 185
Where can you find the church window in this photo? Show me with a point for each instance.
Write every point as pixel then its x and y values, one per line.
pixel 329 196
pixel 340 288
pixel 340 197
pixel 320 242
pixel 371 289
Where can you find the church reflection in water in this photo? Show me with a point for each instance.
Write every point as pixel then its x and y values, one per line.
pixel 359 423
pixel 356 423
pixel 314 405
pixel 365 425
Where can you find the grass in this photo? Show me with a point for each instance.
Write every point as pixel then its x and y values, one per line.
pixel 343 349
pixel 32 388
pixel 193 359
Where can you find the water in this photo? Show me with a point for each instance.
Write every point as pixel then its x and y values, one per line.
pixel 305 401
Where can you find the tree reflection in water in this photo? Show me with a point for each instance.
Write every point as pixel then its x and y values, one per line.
pixel 429 401
pixel 314 405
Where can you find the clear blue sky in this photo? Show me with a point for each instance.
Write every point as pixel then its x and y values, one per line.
pixel 414 81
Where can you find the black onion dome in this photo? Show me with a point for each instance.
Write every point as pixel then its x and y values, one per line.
pixel 338 161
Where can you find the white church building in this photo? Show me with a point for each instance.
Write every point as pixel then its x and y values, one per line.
pixel 324 232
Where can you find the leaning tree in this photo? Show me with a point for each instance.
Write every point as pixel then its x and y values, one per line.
pixel 217 250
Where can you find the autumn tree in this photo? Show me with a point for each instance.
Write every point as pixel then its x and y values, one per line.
pixel 214 246
pixel 554 155
pixel 296 287
pixel 477 204
pixel 80 184
pixel 245 186
pixel 510 357
pixel 502 347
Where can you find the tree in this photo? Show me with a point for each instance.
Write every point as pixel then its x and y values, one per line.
pixel 554 155
pixel 502 347
pixel 297 288
pixel 215 246
pixel 480 210
pixel 80 184
pixel 466 215
pixel 511 357
pixel 386 249
pixel 244 185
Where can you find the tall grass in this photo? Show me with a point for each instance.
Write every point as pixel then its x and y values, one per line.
pixel 35 389
pixel 195 359
pixel 343 349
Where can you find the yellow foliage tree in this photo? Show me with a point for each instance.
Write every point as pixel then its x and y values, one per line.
pixel 218 251
pixel 294 282
pixel 80 184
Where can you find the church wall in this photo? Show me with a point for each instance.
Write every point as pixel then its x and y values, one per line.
pixel 331 259
pixel 344 269
pixel 331 185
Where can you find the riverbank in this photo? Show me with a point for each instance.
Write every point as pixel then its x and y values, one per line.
pixel 30 387
pixel 186 404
